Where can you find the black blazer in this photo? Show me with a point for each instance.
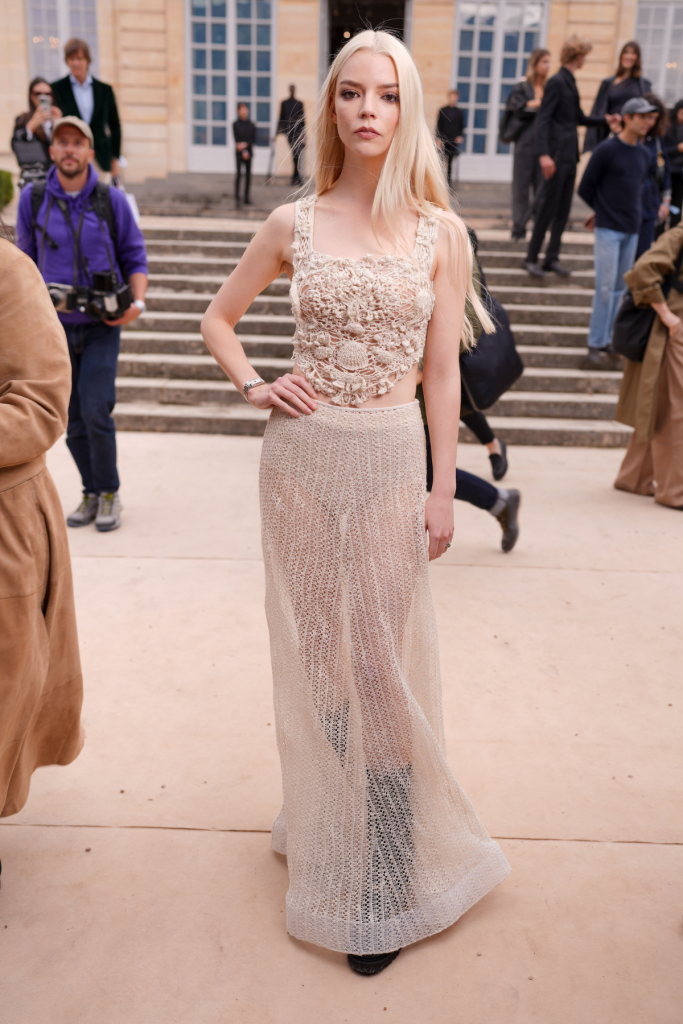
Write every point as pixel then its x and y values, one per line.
pixel 244 131
pixel 450 126
pixel 596 135
pixel 558 117
pixel 105 124
pixel 291 123
pixel 21 135
pixel 522 92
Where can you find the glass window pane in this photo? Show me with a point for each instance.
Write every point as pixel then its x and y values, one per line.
pixel 263 35
pixel 198 32
pixel 263 136
pixel 502 147
pixel 468 13
pixel 484 67
pixel 466 39
pixel 199 85
pixel 480 118
pixel 199 112
pixel 487 14
pixel 463 147
pixel 263 60
pixel 218 85
pixel 263 87
pixel 465 67
pixel 263 10
pixel 530 41
pixel 244 60
pixel 482 93
pixel 263 111
pixel 244 86
pixel 505 91
pixel 244 8
pixel 511 44
pixel 218 34
pixel 198 9
pixel 218 9
pixel 509 67
pixel 218 111
pixel 478 143
pixel 199 135
pixel 465 117
pixel 244 35
pixel 218 136
pixel 218 60
pixel 485 42
pixel 464 90
pixel 199 58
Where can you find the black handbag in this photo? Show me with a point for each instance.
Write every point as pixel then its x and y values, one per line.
pixel 493 365
pixel 511 126
pixel 30 152
pixel 633 324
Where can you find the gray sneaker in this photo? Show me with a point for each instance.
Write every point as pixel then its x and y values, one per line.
pixel 108 512
pixel 509 522
pixel 85 513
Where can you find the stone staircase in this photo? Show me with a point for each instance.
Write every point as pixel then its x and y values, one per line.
pixel 169 382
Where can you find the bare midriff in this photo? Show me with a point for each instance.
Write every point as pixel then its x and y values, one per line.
pixel 401 393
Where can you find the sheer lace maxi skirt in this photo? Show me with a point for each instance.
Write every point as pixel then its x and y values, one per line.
pixel 382 845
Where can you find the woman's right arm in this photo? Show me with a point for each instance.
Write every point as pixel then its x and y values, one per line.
pixel 268 254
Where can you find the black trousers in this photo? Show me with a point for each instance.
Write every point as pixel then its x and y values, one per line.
pixel 451 153
pixel 476 421
pixel 468 487
pixel 296 148
pixel 526 178
pixel 242 165
pixel 554 208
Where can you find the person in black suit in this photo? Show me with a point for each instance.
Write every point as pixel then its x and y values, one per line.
pixel 293 125
pixel 81 95
pixel 626 84
pixel 244 133
pixel 558 145
pixel 449 130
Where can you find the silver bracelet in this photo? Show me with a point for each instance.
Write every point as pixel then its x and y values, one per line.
pixel 251 384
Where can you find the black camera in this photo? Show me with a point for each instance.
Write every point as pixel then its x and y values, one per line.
pixel 106 300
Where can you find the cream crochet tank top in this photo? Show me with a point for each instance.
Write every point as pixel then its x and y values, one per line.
pixel 360 324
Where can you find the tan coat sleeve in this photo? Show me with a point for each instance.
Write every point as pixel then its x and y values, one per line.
pixel 647 274
pixel 35 370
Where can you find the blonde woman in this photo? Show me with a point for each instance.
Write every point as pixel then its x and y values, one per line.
pixel 382 845
pixel 524 101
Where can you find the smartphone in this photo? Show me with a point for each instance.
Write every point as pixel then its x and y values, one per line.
pixel 45 102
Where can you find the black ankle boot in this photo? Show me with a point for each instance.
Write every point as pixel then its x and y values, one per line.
pixel 372 964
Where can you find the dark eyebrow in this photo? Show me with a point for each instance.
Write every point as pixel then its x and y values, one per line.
pixel 357 85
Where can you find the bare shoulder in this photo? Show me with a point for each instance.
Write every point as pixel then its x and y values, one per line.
pixel 276 234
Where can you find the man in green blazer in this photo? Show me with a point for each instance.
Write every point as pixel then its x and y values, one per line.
pixel 93 101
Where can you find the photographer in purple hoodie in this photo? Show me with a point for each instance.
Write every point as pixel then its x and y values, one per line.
pixel 91 254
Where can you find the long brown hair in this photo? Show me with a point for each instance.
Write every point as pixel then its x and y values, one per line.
pixel 637 69
pixel 534 58
pixel 662 122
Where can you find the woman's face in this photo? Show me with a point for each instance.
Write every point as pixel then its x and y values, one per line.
pixel 41 89
pixel 365 108
pixel 542 69
pixel 628 58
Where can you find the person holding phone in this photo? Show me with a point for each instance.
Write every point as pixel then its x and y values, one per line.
pixel 35 125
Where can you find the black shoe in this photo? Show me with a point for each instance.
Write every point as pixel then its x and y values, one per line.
pixel 499 463
pixel 248 202
pixel 613 361
pixel 508 521
pixel 593 360
pixel 534 269
pixel 557 268
pixel 518 236
pixel 371 964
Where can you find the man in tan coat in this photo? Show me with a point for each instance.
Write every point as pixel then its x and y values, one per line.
pixel 651 396
pixel 40 673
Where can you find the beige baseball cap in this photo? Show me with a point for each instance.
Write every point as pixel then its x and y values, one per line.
pixel 83 128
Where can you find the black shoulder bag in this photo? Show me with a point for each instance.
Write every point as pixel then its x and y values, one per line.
pixel 633 324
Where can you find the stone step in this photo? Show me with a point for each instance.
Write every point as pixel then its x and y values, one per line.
pixel 568 381
pixel 188 266
pixel 239 236
pixel 514 277
pixel 241 418
pixel 191 343
pixel 555 356
pixel 555 297
pixel 146 365
pixel 504 260
pixel 553 335
pixel 541 315
pixel 204 249
pixel 552 405
pixel 571 246
pixel 189 322
pixel 198 302
pixel 207 283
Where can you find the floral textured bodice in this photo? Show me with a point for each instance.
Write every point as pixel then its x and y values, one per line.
pixel 360 324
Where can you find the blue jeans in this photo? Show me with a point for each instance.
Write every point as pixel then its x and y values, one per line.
pixel 614 253
pixel 90 433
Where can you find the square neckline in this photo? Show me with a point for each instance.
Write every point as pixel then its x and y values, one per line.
pixel 368 256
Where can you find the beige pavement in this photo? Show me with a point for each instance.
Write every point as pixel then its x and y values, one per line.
pixel 562 696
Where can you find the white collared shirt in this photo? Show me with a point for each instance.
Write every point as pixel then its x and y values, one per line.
pixel 83 95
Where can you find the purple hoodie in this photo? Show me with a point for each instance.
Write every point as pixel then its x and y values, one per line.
pixel 58 264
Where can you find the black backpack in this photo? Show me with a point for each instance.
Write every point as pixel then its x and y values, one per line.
pixel 100 200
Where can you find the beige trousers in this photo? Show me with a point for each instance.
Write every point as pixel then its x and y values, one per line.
pixel 656 467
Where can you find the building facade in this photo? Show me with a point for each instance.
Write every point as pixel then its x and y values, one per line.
pixel 179 67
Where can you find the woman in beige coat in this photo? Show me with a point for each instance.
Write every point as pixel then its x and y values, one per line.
pixel 651 397
pixel 40 672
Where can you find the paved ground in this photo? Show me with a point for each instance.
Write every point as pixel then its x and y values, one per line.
pixel 561 667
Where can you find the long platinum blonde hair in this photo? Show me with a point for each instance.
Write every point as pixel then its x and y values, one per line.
pixel 412 177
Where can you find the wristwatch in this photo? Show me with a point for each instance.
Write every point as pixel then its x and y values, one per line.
pixel 251 384
pixel 141 305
